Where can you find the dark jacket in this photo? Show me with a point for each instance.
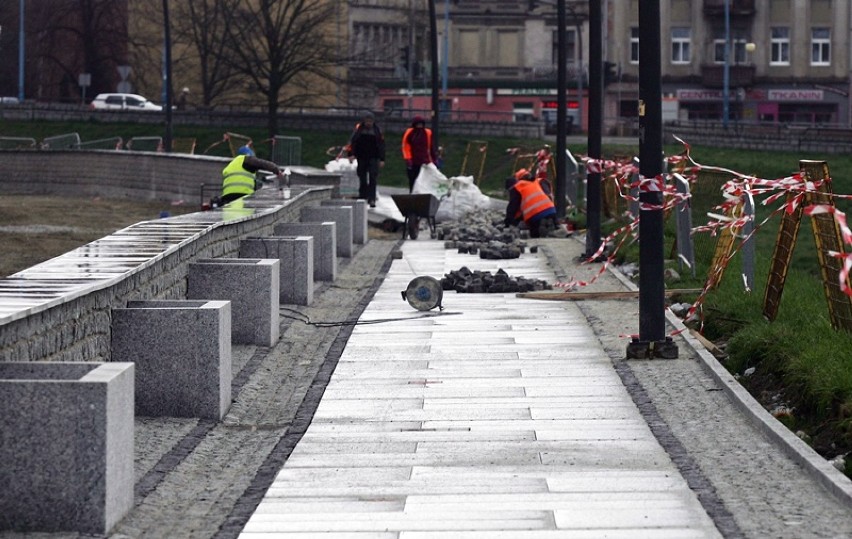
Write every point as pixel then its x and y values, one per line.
pixel 367 143
pixel 253 164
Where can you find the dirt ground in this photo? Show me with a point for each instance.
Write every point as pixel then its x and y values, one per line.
pixel 37 228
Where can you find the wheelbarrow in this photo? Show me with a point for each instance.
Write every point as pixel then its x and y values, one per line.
pixel 414 208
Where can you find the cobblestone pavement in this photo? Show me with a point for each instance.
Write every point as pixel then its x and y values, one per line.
pixel 197 478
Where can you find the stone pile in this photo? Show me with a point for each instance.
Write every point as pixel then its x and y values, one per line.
pixel 466 281
pixel 483 232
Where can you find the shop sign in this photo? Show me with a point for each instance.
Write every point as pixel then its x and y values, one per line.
pixel 526 91
pixel 795 95
pixel 699 94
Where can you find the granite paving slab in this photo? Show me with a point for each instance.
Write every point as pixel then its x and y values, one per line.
pixel 497 417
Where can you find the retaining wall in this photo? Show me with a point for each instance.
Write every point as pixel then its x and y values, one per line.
pixel 78 327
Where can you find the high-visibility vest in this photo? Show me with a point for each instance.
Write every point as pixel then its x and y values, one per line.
pixel 409 152
pixel 533 198
pixel 236 179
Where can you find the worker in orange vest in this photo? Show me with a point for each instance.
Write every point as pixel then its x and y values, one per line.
pixel 530 202
pixel 417 149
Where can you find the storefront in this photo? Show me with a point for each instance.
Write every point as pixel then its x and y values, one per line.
pixel 487 104
pixel 826 105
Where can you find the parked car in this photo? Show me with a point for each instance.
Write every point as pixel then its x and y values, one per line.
pixel 123 102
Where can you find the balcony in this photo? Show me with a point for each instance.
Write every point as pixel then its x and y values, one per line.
pixel 738 8
pixel 712 75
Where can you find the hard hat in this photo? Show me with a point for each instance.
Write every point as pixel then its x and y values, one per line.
pixel 185 90
pixel 522 174
pixel 245 150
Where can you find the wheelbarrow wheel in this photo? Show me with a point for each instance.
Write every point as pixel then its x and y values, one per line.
pixel 413 226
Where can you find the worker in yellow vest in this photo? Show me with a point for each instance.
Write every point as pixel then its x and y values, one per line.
pixel 530 202
pixel 238 178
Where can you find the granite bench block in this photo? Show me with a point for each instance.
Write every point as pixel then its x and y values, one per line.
pixel 297 264
pixel 359 217
pixel 182 352
pixel 252 285
pixel 340 215
pixel 325 245
pixel 66 449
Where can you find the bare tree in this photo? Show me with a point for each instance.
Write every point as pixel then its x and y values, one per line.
pixel 285 49
pixel 73 37
pixel 203 26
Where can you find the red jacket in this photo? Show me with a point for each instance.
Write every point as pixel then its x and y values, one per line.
pixel 417 145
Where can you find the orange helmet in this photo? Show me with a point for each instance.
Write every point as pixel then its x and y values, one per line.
pixel 522 174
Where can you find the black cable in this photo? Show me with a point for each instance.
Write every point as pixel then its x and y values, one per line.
pixel 352 322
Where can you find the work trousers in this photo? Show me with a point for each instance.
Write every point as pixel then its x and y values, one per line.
pixel 368 177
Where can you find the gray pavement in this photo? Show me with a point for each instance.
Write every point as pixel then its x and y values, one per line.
pixel 547 468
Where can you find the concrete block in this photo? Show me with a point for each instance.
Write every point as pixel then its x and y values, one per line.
pixel 252 285
pixel 66 449
pixel 325 245
pixel 182 352
pixel 359 217
pixel 340 215
pixel 296 254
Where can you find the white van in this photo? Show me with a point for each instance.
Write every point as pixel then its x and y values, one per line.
pixel 123 102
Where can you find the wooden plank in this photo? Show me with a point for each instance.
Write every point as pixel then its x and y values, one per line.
pixel 579 296
pixel 717 352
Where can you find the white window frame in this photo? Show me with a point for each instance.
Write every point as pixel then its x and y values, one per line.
pixel 681 45
pixel 820 46
pixel 634 45
pixel 738 51
pixel 779 46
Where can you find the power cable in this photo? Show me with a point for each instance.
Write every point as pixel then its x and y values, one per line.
pixel 301 317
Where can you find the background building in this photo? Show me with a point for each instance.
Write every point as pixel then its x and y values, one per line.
pixel 788 62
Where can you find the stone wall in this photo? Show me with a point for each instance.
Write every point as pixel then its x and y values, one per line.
pixel 126 174
pixel 78 329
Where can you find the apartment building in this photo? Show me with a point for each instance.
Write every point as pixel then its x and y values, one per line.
pixel 788 61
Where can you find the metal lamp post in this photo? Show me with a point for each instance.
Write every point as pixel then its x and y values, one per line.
pixel 21 57
pixel 726 70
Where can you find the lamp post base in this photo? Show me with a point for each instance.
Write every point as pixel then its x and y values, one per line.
pixel 665 349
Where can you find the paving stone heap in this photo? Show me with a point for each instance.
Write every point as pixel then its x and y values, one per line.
pixel 465 280
pixel 483 232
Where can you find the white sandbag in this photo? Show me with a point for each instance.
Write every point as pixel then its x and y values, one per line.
pixel 463 197
pixel 458 195
pixel 431 181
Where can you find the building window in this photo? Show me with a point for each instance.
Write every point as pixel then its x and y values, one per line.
pixel 820 46
pixel 570 46
pixel 634 45
pixel 780 46
pixel 680 45
pixel 738 51
pixel 523 112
